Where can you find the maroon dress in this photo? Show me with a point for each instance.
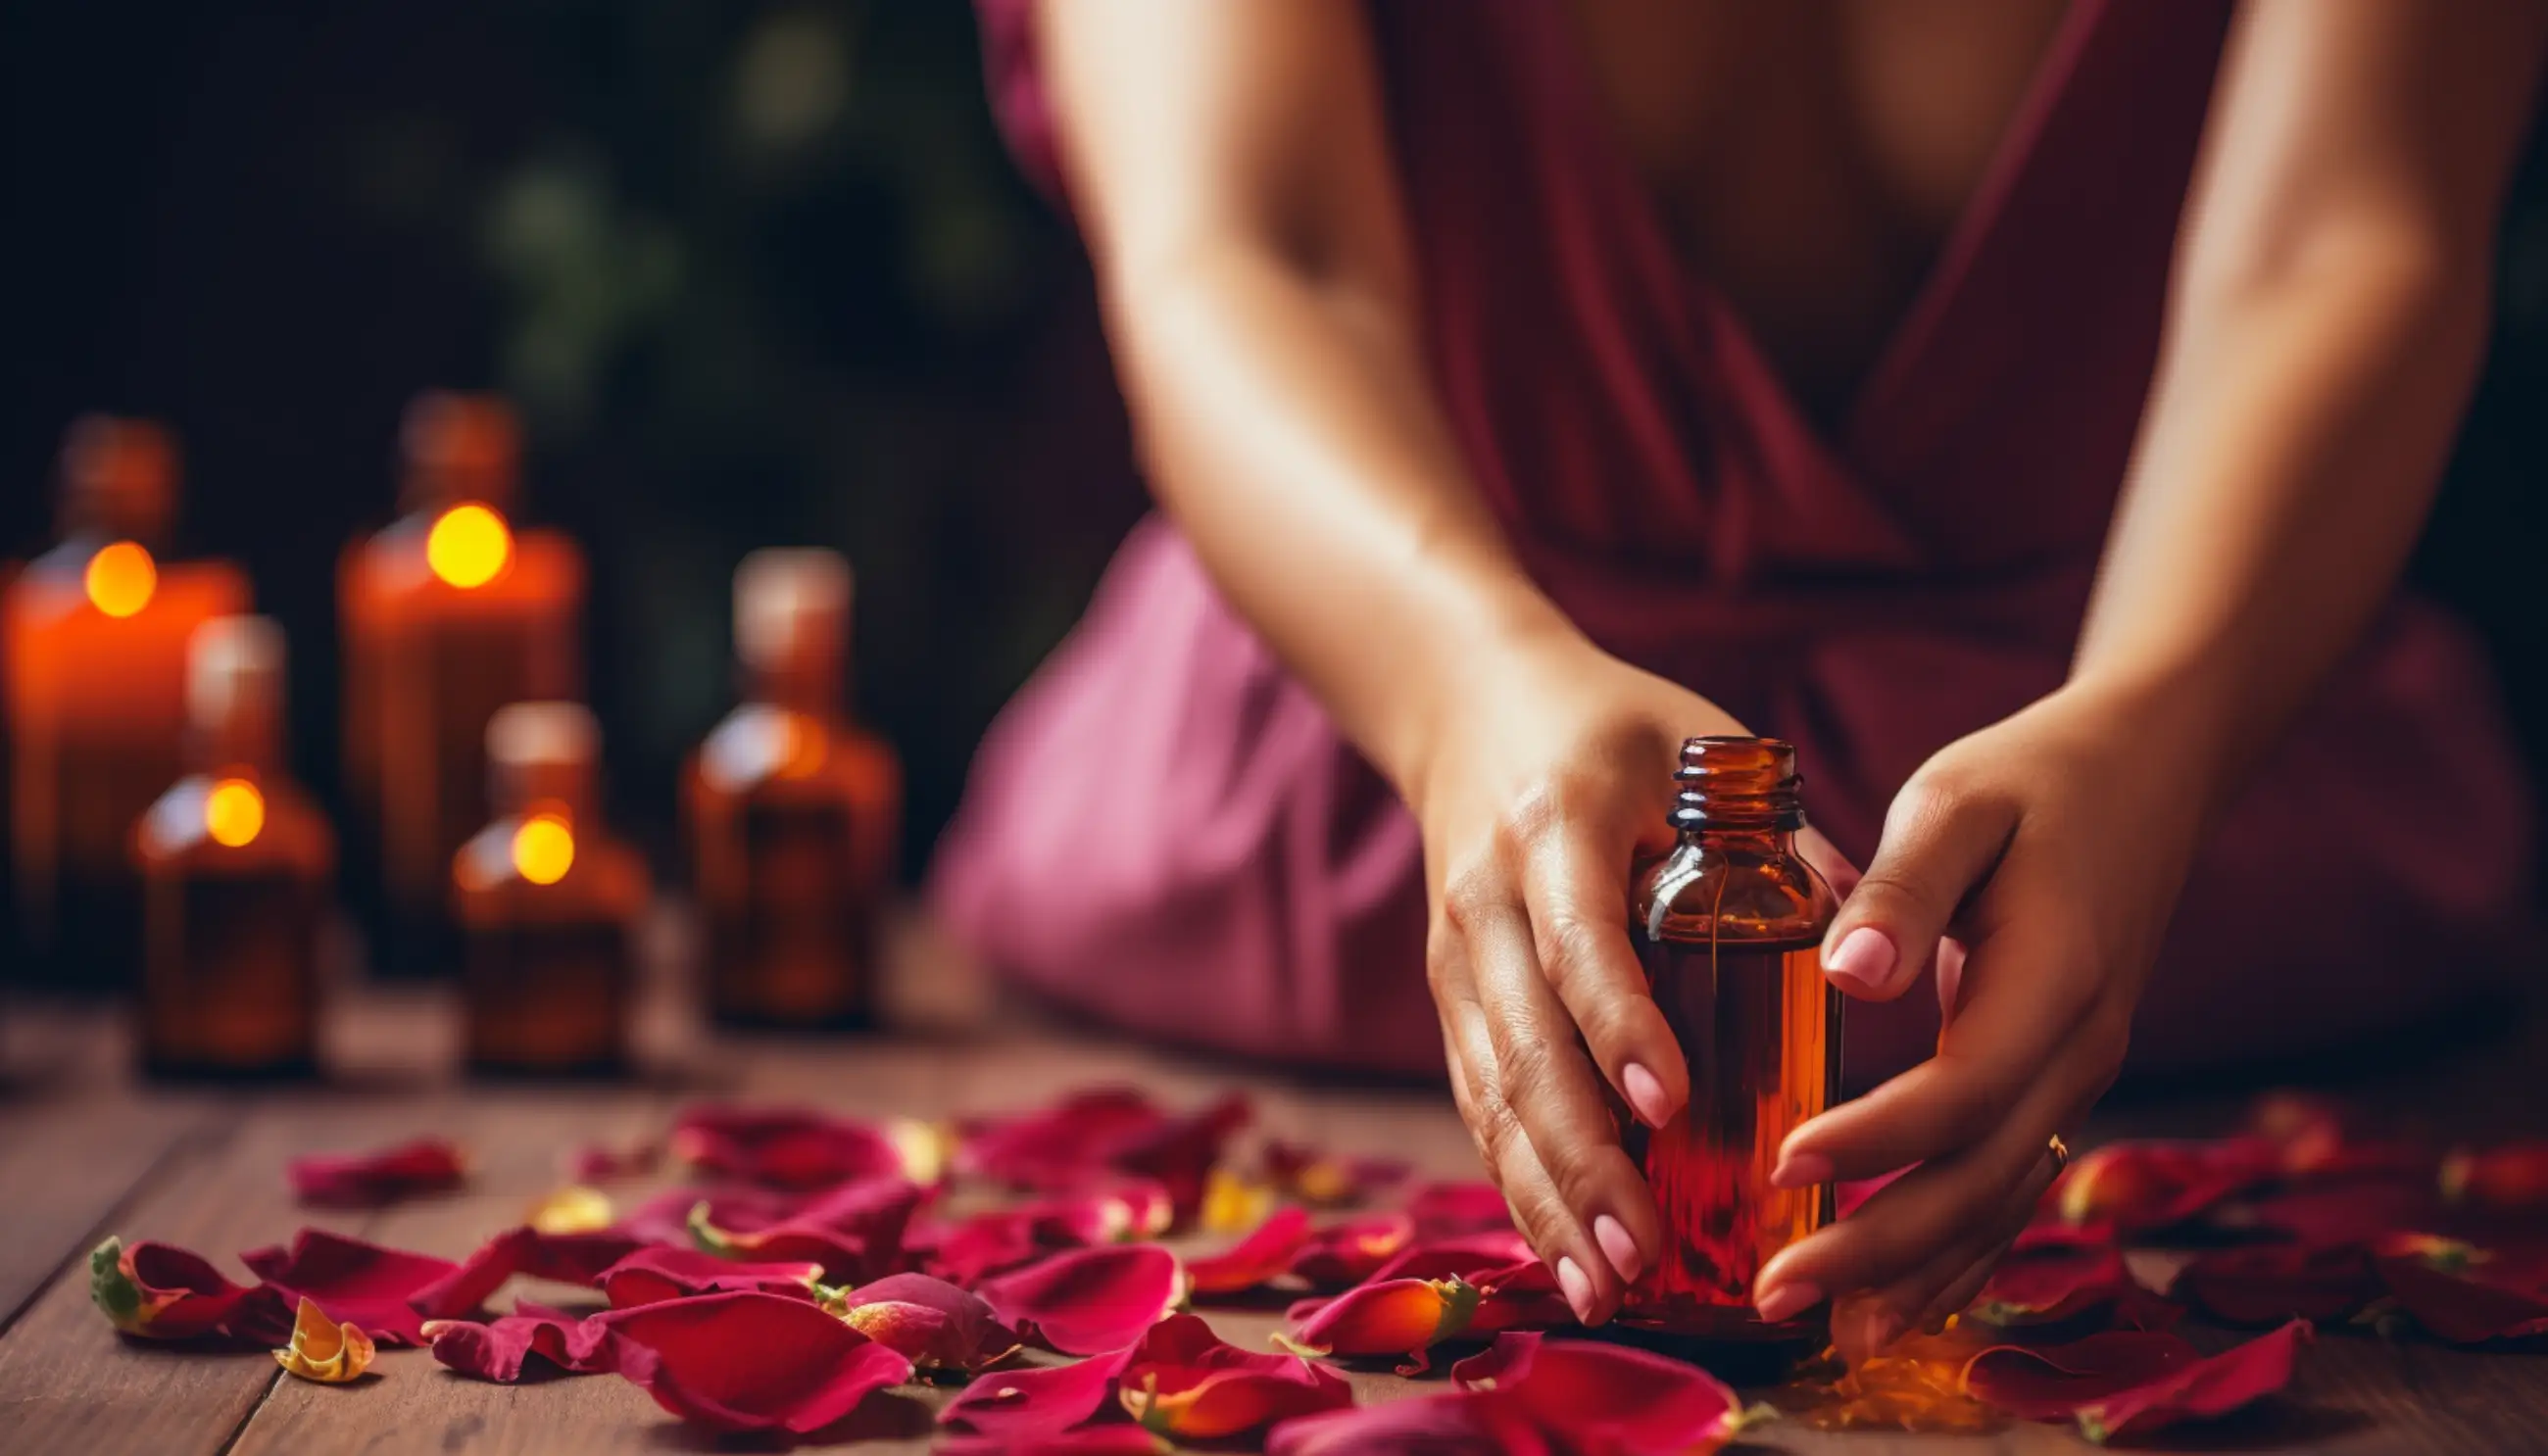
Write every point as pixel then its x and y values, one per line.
pixel 1166 831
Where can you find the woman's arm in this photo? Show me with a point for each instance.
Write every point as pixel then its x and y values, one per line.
pixel 1230 169
pixel 2324 331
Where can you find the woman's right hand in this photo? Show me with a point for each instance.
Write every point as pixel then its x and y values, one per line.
pixel 1538 793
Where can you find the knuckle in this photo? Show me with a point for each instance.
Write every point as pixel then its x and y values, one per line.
pixel 1570 953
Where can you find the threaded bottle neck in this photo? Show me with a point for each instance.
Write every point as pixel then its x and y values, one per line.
pixel 1748 784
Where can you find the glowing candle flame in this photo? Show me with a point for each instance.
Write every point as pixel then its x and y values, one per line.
pixel 121 577
pixel 469 546
pixel 543 848
pixel 234 812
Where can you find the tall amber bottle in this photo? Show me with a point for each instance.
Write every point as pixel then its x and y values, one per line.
pixel 96 666
pixel 1730 927
pixel 237 868
pixel 446 615
pixel 793 810
pixel 548 905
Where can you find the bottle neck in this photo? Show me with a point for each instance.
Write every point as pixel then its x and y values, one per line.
pixel 246 744
pixel 806 683
pixel 567 790
pixel 1738 789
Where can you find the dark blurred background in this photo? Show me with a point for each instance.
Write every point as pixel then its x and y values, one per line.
pixel 755 273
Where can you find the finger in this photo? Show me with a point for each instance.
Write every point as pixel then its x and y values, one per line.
pixel 1827 860
pixel 1576 897
pixel 1939 1291
pixel 1939 843
pixel 1556 1096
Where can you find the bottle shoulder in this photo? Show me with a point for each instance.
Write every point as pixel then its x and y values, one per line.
pixel 1708 890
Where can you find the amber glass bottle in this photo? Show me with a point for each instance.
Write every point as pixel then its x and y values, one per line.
pixel 96 663
pixel 1730 927
pixel 792 810
pixel 236 868
pixel 447 615
pixel 548 905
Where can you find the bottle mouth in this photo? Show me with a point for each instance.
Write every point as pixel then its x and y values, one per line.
pixel 1737 782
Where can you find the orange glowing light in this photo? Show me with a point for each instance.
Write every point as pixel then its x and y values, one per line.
pixel 121 577
pixel 234 812
pixel 469 546
pixel 543 848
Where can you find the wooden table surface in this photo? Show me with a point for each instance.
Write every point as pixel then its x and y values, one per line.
pixel 85 1152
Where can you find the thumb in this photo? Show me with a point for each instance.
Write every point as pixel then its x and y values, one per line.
pixel 1939 844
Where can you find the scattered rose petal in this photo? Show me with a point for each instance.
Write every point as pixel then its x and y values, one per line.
pixel 665 1218
pixel 159 1291
pixel 1094 1440
pixel 596 1161
pixel 750 1361
pixel 2314 1138
pixel 1037 1402
pixel 568 1258
pixel 650 1276
pixel 1112 1212
pixel 2462 1293
pixel 574 1209
pixel 1847 1197
pixel 1183 1381
pixel 1593 1397
pixel 324 1349
pixel 2052 1275
pixel 1084 1301
pixel 368 1179
pixel 1345 1254
pixel 1391 1316
pixel 500 1349
pixel 2328 1215
pixel 1447 1210
pixel 2138 1186
pixel 352 1280
pixel 1329 1180
pixel 1255 1260
pixel 931 1323
pixel 784 1148
pixel 2129 1382
pixel 1475 1257
pixel 2270 1283
pixel 1459 1424
pixel 854 1230
pixel 2508 1179
pixel 1106 1128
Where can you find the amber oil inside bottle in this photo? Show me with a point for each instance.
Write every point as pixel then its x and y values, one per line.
pixel 1729 926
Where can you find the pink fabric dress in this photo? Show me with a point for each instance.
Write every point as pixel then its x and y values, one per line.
pixel 1164 830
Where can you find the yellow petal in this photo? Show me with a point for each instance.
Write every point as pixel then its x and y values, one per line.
pixel 574 1209
pixel 925 1147
pixel 1234 1205
pixel 322 1349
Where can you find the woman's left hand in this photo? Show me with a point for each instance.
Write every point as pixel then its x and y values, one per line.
pixel 2051 846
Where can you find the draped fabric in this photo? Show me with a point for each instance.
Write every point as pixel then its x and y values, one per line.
pixel 1166 831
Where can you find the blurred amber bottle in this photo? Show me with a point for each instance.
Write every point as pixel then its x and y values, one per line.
pixel 237 869
pixel 793 810
pixel 447 615
pixel 96 635
pixel 548 904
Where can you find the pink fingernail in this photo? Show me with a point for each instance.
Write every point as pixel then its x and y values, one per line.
pixel 1618 1247
pixel 1577 1288
pixel 1786 1302
pixel 1863 955
pixel 1802 1171
pixel 1646 1095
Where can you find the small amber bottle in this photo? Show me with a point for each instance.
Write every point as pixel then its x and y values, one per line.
pixel 793 810
pixel 447 615
pixel 1730 926
pixel 237 867
pixel 548 905
pixel 96 635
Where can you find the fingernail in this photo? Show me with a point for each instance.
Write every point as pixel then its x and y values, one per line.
pixel 1787 1301
pixel 1865 956
pixel 1646 1095
pixel 1577 1288
pixel 1800 1170
pixel 1618 1247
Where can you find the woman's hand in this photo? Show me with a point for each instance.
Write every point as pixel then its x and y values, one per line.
pixel 1537 793
pixel 2051 845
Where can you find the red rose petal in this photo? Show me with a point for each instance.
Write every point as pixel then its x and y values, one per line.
pixel 1327 1180
pixel 1056 1146
pixel 2343 1213
pixel 2129 1382
pixel 1848 1196
pixel 159 1291
pixel 500 1349
pixel 1180 1154
pixel 353 1282
pixel 1470 1256
pixel 368 1179
pixel 2054 1274
pixel 2139 1186
pixel 1448 1210
pixel 1345 1254
pixel 783 1147
pixel 2464 1294
pixel 2508 1179
pixel 1183 1381
pixel 1391 1316
pixel 1039 1400
pixel 1589 1396
pixel 854 1231
pixel 752 1361
pixel 595 1162
pixel 1255 1260
pixel 2268 1283
pixel 1084 1301
pixel 931 1323
pixel 1436 1425
pixel 1094 1440
pixel 569 1258
pixel 650 1276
